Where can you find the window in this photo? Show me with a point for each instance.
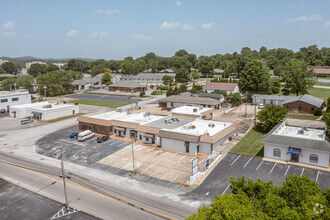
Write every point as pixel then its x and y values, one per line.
pixel 313 158
pixel 312 109
pixel 140 137
pixel 277 153
pixel 4 100
pixel 147 139
pixel 14 99
pixel 299 108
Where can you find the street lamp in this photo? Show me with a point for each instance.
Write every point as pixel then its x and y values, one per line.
pixel 45 87
pixel 15 86
pixel 60 153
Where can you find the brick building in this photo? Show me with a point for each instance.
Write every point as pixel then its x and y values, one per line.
pixel 127 86
pixel 305 104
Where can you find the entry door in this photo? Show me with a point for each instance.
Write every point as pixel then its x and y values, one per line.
pixel 187 146
pixel 197 148
pixel 295 157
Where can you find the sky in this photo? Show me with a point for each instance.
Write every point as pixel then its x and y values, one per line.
pixel 111 29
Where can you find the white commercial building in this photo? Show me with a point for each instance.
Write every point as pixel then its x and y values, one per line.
pixel 10 98
pixel 148 79
pixel 304 145
pixel 43 110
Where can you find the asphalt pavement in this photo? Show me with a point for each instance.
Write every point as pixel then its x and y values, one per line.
pixel 104 98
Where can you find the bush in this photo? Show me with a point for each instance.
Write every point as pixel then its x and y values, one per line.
pixel 142 93
pixel 318 112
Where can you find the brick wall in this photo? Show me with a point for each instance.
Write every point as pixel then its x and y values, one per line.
pixel 301 107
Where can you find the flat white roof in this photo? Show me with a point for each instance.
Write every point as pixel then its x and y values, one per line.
pixel 109 115
pixel 139 118
pixel 38 106
pixel 12 93
pixel 201 127
pixel 290 131
pixel 190 110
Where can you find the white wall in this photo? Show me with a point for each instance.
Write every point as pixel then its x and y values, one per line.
pixel 268 152
pixel 173 145
pixel 179 104
pixel 22 99
pixel 205 148
pixel 143 139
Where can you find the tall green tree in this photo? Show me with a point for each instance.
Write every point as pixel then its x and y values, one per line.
pixel 78 65
pixel 205 65
pixel 182 75
pixel 297 78
pixel 181 53
pixel 9 67
pixel 57 83
pixel 52 67
pixel 106 79
pixel 270 116
pixel 25 82
pixel 255 78
pixel 37 68
pixel 167 80
pixel 236 98
pixel 127 67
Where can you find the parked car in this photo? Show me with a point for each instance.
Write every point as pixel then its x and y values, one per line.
pixel 85 135
pixel 26 121
pixel 164 108
pixel 3 111
pixel 261 106
pixel 100 139
pixel 74 135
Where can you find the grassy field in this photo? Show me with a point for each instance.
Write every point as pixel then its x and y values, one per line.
pixel 98 103
pixel 320 93
pixel 64 118
pixel 250 144
pixel 308 117
pixel 322 84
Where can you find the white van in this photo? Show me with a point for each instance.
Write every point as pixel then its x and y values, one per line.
pixel 85 135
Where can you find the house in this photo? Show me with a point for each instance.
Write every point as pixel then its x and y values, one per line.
pixel 115 78
pixel 10 98
pixel 148 79
pixel 304 145
pixel 43 110
pixel 184 131
pixel 127 86
pixel 219 97
pixel 228 87
pixel 88 82
pixel 321 70
pixel 218 72
pixel 178 100
pixel 305 104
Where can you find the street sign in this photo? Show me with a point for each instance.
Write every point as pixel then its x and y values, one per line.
pixel 194 166
pixel 207 163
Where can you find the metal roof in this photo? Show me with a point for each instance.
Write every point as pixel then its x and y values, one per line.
pixel 306 98
pixel 190 100
pixel 127 84
pixel 220 86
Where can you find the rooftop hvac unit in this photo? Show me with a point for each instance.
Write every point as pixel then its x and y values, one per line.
pixel 193 127
pixel 195 110
pixel 129 112
pixel 304 128
pixel 169 121
pixel 165 122
pixel 47 106
pixel 119 110
pixel 300 131
pixel 146 114
pixel 211 125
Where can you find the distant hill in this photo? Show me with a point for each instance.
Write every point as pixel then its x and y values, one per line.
pixel 21 61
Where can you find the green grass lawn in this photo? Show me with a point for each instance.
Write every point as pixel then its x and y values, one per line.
pixel 308 117
pixel 250 144
pixel 64 118
pixel 98 103
pixel 322 84
pixel 317 92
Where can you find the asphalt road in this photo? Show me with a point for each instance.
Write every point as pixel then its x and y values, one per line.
pixel 104 98
pixel 95 197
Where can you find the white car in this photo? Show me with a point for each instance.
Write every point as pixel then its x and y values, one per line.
pixel 85 135
pixel 261 106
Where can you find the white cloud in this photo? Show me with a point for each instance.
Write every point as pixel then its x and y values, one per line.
pixel 7 34
pixel 8 25
pixel 187 27
pixel 327 24
pixel 99 35
pixel 72 33
pixel 207 26
pixel 108 11
pixel 140 37
pixel 304 18
pixel 169 25
pixel 178 3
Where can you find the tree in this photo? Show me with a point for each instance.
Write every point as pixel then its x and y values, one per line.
pixel 235 98
pixel 25 82
pixel 195 75
pixel 297 78
pixel 275 86
pixel 318 112
pixel 37 68
pixel 106 79
pixel 78 65
pixel 218 91
pixel 1 70
pixel 182 75
pixel 167 80
pixel 127 67
pixel 326 119
pixel 181 53
pixel 58 83
pixel 297 198
pixel 255 78
pixel 180 63
pixel 169 92
pixel 205 65
pixel 196 89
pixel 9 67
pixel 142 93
pixel 52 67
pixel 270 116
pixel 183 88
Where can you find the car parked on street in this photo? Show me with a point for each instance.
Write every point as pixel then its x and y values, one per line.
pixel 74 135
pixel 100 139
pixel 26 121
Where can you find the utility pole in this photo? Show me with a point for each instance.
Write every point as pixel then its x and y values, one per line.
pixel 246 104
pixel 133 156
pixel 255 114
pixel 63 176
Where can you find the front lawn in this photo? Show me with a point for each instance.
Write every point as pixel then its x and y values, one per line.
pixel 319 93
pixel 308 117
pixel 98 103
pixel 250 144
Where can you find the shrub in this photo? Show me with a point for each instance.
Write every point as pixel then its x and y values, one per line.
pixel 318 112
pixel 142 93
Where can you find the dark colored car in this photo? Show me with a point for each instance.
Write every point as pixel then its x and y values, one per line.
pixel 74 135
pixel 100 139
pixel 26 121
pixel 3 111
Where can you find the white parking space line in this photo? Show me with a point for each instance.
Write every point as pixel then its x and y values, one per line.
pixel 287 170
pixel 302 172
pixel 317 176
pixel 150 150
pixel 174 155
pixel 273 168
pixel 235 160
pixel 247 162
pixel 259 165
pixel 226 189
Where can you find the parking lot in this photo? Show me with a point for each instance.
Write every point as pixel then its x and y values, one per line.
pixel 87 152
pixel 9 124
pixel 104 98
pixel 234 165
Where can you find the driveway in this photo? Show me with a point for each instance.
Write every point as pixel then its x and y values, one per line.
pixel 10 124
pixel 237 166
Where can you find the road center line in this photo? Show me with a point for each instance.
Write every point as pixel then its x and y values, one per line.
pixel 259 165
pixel 273 168
pixel 226 189
pixel 235 160
pixel 287 170
pixel 247 162
pixel 302 171
pixel 317 176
